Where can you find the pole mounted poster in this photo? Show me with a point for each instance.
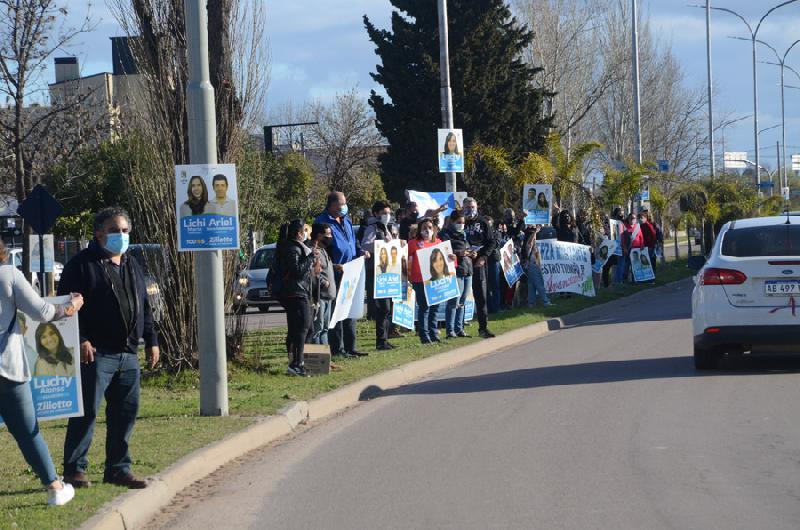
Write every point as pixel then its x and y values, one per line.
pixel 536 201
pixel 451 151
pixel 207 207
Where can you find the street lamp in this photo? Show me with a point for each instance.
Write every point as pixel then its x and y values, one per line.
pixel 782 64
pixel 753 39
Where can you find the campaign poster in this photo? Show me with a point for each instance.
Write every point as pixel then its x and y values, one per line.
pixel 451 151
pixel 616 228
pixel 604 251
pixel 509 262
pixel 389 259
pixel 35 253
pixel 469 307
pixel 438 273
pixel 536 201
pixel 52 352
pixel 640 265
pixel 207 207
pixel 403 309
pixel 566 267
pixel 350 297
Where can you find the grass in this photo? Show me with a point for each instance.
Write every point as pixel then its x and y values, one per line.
pixel 169 426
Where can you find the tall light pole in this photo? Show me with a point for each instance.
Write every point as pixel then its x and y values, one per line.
pixel 710 100
pixel 782 63
pixel 637 116
pixel 753 39
pixel 445 93
pixel 208 264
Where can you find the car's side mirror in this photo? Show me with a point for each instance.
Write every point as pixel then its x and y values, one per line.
pixel 696 262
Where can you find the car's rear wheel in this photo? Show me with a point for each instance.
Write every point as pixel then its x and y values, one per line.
pixel 263 308
pixel 706 358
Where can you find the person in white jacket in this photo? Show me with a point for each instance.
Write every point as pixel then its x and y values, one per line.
pixel 16 401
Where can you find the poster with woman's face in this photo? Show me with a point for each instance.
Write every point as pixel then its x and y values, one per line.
pixel 512 268
pixel 640 265
pixel 605 249
pixel 616 228
pixel 207 207
pixel 438 273
pixel 53 353
pixel 451 150
pixel 388 263
pixel 537 200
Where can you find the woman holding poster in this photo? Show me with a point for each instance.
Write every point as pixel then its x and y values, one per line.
pixel 426 314
pixel 16 400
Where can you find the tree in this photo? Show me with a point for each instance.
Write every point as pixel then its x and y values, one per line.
pixel 494 96
pixel 490 177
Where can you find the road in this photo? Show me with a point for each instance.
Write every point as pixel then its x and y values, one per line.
pixel 600 425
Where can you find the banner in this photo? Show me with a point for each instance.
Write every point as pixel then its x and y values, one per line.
pixel 52 351
pixel 509 262
pixel 432 200
pixel 451 150
pixel 469 307
pixel 438 273
pixel 49 253
pixel 350 296
pixel 536 201
pixel 566 267
pixel 207 207
pixel 616 228
pixel 404 308
pixel 640 265
pixel 389 259
pixel 603 252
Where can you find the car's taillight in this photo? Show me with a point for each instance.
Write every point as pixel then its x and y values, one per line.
pixel 714 276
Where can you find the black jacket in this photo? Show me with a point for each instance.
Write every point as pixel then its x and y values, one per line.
pixel 297 262
pixel 481 235
pixel 458 240
pixel 104 320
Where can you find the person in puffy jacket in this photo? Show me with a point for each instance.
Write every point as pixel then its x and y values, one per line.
pixel 298 263
pixel 378 229
pixel 454 311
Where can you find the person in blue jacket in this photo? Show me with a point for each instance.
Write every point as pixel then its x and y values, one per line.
pixel 343 249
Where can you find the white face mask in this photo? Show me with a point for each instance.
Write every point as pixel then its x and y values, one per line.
pixel 426 234
pixel 459 227
pixel 385 219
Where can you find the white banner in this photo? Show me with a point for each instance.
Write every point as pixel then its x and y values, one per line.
pixel 350 297
pixel 566 267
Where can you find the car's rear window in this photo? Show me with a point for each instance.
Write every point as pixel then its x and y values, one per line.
pixel 775 240
pixel 262 259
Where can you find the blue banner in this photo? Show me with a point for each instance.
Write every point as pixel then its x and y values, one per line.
pixel 404 309
pixel 438 267
pixel 206 207
pixel 209 232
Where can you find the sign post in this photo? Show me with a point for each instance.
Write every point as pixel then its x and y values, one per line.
pixel 40 210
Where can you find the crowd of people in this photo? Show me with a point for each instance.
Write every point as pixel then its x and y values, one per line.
pixel 309 264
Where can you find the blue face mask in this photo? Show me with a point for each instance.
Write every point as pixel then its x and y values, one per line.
pixel 343 211
pixel 117 243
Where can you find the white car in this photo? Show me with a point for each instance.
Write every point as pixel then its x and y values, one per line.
pixel 746 295
pixel 250 289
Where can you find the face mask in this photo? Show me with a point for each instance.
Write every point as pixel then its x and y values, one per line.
pixel 327 241
pixel 117 243
pixel 385 218
pixel 343 211
pixel 469 212
pixel 459 227
pixel 426 234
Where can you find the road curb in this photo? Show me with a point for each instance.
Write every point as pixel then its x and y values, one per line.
pixel 134 509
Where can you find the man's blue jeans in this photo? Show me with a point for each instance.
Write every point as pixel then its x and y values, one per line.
pixel 16 408
pixel 114 376
pixel 454 311
pixel 620 269
pixel 536 284
pixel 322 317
pixel 426 315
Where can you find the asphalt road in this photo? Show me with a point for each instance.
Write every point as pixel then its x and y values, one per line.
pixel 600 425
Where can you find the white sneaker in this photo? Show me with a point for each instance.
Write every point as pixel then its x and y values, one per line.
pixel 62 496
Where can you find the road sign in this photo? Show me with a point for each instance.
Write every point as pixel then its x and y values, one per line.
pixel 40 210
pixel 663 166
pixel 734 159
pixel 765 185
pixel 795 162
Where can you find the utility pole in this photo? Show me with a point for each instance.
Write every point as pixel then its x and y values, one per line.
pixel 778 169
pixel 208 264
pixel 446 94
pixel 710 101
pixel 635 60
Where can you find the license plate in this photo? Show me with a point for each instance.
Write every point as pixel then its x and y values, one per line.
pixel 262 293
pixel 781 287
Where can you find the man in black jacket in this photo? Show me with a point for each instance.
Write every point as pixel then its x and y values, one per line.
pixel 482 241
pixel 115 316
pixel 455 309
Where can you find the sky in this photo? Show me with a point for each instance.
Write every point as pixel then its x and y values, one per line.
pixel 319 48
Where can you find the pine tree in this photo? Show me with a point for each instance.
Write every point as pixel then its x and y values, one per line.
pixel 494 96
